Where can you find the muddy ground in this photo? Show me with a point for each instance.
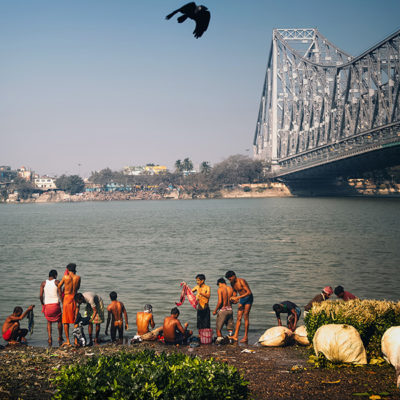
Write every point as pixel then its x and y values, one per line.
pixel 273 373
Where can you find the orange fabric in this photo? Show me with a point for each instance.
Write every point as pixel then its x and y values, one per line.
pixel 69 307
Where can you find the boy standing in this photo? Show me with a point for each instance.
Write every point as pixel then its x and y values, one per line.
pixel 223 309
pixel 203 296
pixel 71 283
pixel 116 313
pixel 11 330
pixel 245 298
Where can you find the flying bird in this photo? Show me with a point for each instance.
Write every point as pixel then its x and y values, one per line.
pixel 199 14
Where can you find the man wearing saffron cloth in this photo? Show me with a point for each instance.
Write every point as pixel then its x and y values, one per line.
pixel 71 283
pixel 51 304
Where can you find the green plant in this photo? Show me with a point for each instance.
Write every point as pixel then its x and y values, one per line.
pixel 371 318
pixel 147 375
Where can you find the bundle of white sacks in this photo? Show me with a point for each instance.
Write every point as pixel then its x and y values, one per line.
pixel 281 336
pixel 391 349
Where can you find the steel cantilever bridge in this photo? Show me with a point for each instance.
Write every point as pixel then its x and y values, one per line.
pixel 324 113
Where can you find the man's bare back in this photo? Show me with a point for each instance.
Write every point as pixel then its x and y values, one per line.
pixel 71 283
pixel 117 309
pixel 143 319
pixel 170 326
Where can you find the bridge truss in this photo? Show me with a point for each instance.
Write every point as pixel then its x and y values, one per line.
pixel 319 105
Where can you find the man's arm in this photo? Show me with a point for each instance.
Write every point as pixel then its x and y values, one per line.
pixel 219 304
pixel 125 316
pixel 152 324
pixel 23 315
pixel 180 327
pixel 41 292
pixel 59 286
pixel 295 320
pixel 108 321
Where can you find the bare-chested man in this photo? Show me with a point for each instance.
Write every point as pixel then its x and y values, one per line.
pixel 71 283
pixel 116 313
pixel 223 309
pixel 144 319
pixel 174 333
pixel 245 299
pixel 11 330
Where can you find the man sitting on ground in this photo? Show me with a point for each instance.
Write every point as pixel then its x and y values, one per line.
pixel 11 330
pixel 143 320
pixel 343 294
pixel 174 333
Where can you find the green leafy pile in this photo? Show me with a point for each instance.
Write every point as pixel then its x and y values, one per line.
pixel 371 318
pixel 147 375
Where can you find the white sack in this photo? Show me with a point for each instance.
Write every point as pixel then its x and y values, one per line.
pixel 300 336
pixel 391 349
pixel 276 336
pixel 340 343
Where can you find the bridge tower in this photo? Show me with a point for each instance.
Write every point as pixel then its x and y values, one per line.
pixel 320 106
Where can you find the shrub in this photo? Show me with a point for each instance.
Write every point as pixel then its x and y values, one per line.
pixel 371 318
pixel 147 375
pixel 247 189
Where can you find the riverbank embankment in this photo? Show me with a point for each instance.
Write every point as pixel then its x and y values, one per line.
pixel 349 187
pixel 273 373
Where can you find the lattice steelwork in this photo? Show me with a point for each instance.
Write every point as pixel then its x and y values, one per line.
pixel 320 104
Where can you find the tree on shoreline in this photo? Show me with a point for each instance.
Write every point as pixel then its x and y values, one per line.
pixel 71 184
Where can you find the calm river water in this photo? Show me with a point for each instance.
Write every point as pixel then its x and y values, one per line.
pixel 286 248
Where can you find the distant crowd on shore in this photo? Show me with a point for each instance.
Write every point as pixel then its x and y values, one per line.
pixel 63 304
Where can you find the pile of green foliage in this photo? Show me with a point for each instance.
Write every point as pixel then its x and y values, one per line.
pixel 371 318
pixel 147 375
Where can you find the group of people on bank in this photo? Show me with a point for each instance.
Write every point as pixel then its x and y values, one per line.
pixel 61 304
pixel 294 312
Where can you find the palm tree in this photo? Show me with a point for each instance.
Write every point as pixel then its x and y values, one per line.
pixel 205 167
pixel 178 166
pixel 187 164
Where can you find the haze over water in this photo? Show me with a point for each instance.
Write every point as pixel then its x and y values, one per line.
pixel 286 249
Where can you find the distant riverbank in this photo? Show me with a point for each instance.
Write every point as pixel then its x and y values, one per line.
pixel 350 187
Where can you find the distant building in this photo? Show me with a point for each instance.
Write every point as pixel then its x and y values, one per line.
pixel 147 169
pixel 155 169
pixel 45 183
pixel 25 173
pixel 133 170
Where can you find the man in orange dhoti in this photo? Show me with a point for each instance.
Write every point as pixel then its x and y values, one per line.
pixel 71 283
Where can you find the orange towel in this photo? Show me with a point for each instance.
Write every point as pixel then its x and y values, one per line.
pixel 69 307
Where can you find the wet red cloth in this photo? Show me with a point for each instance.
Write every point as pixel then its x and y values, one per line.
pixel 186 291
pixel 7 334
pixel 52 312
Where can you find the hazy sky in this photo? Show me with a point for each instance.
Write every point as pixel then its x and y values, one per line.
pixel 109 83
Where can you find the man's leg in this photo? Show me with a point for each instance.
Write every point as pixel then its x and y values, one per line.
pixel 14 333
pixel 59 326
pixel 247 309
pixel 113 332
pixel 238 322
pixel 49 333
pixel 96 340
pixel 66 330
pixel 90 330
pixel 21 333
pixel 120 334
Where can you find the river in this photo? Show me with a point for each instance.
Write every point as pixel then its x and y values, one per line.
pixel 286 249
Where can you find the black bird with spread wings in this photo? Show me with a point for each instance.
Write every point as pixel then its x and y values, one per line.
pixel 199 14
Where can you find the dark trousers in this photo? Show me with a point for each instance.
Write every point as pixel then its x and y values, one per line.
pixel 203 318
